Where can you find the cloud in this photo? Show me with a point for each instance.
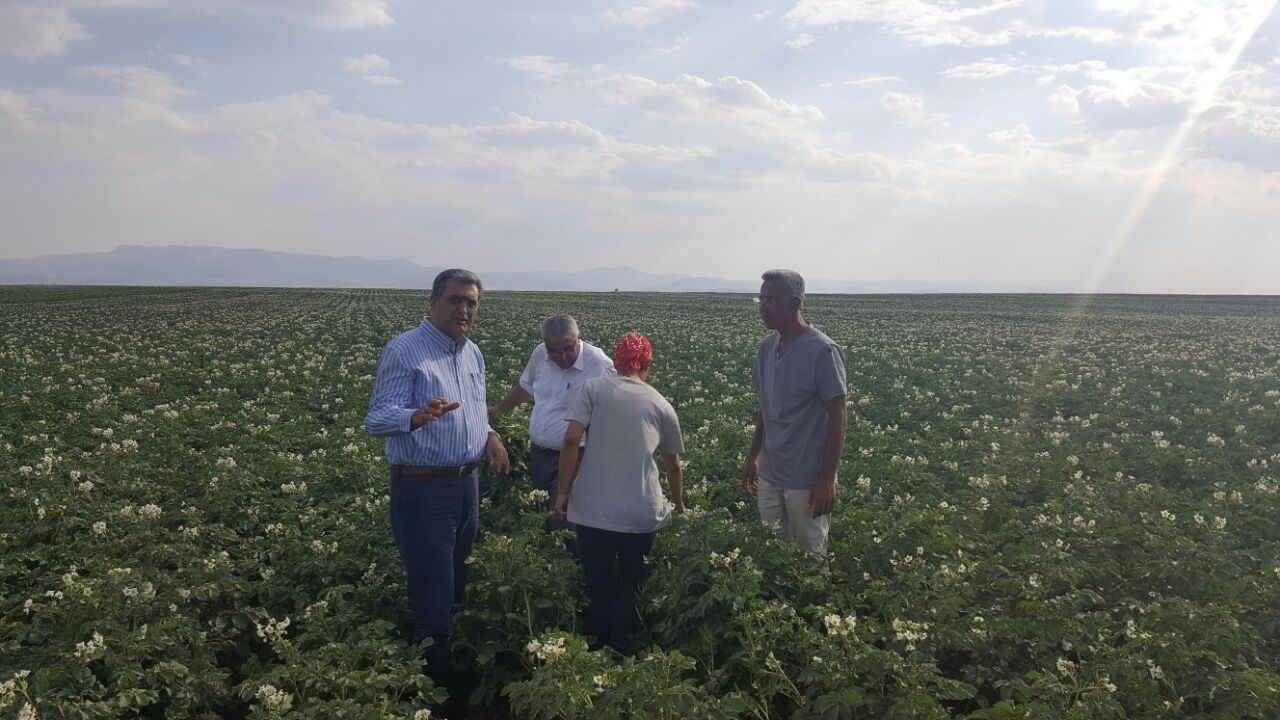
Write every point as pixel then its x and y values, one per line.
pixel 136 81
pixel 920 22
pixel 544 67
pixel 36 30
pixel 1147 105
pixel 982 70
pixel 1019 135
pixel 801 41
pixel 874 80
pixel 910 108
pixel 325 14
pixel 526 132
pixel 338 14
pixel 693 98
pixel 965 23
pixel 16 108
pixel 647 14
pixel 826 165
pixel 1065 100
pixel 366 64
pixel 188 60
pixel 1247 133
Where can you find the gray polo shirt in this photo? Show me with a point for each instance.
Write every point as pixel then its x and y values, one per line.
pixel 617 487
pixel 792 386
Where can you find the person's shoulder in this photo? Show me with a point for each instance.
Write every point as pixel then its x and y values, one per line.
pixel 594 351
pixel 663 404
pixel 539 353
pixel 598 358
pixel 592 385
pixel 405 340
pixel 821 339
pixel 769 340
pixel 603 381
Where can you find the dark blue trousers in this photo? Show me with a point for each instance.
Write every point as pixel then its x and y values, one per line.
pixel 434 521
pixel 614 569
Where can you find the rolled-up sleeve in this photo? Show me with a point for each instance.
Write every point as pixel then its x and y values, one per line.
pixel 390 405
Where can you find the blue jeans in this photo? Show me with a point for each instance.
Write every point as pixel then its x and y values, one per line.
pixel 434 521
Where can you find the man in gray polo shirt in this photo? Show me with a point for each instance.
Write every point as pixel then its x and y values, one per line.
pixel 799 381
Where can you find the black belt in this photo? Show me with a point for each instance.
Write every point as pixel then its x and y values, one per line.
pixel 423 471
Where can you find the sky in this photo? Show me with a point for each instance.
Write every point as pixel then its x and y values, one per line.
pixel 1090 145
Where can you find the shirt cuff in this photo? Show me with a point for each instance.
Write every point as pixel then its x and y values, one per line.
pixel 406 419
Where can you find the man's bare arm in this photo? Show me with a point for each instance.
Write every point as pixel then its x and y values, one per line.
pixel 823 496
pixel 750 477
pixel 517 396
pixel 568 466
pixel 675 479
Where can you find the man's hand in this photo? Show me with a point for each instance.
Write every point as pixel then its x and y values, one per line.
pixel 822 498
pixel 750 477
pixel 494 413
pixel 560 508
pixel 679 507
pixel 496 453
pixel 432 412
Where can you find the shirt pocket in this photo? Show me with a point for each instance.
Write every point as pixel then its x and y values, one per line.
pixel 426 387
pixel 475 384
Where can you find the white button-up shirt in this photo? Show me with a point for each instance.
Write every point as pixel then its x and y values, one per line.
pixel 552 386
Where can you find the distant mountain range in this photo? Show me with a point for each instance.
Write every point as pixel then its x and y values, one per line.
pixel 181 265
pixel 216 266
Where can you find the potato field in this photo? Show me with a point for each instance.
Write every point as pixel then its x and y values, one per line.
pixel 1049 508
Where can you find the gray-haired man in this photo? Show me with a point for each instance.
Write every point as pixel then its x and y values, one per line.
pixel 799 381
pixel 555 371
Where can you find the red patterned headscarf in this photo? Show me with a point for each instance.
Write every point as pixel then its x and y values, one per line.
pixel 632 354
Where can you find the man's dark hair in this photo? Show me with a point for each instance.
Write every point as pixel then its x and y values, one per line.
pixel 463 276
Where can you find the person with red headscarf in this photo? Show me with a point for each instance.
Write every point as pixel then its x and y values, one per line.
pixel 616 501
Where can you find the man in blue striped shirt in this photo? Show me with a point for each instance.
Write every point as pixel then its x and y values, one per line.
pixel 429 403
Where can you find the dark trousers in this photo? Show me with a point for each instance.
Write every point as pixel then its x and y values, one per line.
pixel 544 473
pixel 434 521
pixel 614 568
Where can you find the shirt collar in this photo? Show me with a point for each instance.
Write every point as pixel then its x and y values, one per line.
pixel 582 350
pixel 438 339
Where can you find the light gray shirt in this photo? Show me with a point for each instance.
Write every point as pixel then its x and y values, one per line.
pixel 792 386
pixel 617 487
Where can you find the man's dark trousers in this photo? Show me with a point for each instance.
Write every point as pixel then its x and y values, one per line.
pixel 434 521
pixel 544 472
pixel 614 569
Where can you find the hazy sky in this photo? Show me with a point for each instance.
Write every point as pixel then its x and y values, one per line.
pixel 1082 144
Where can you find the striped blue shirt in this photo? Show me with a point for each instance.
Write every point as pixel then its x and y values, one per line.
pixel 417 367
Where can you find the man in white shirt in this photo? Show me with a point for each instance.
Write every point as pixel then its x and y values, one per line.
pixel 555 372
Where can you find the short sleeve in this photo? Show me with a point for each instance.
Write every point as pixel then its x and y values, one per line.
pixel 580 403
pixel 670 439
pixel 606 362
pixel 829 373
pixel 530 373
